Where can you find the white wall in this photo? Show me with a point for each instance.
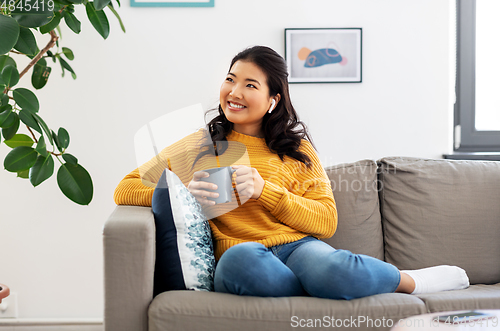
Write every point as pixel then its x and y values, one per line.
pixel 51 249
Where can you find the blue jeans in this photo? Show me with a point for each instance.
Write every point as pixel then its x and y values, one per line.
pixel 304 267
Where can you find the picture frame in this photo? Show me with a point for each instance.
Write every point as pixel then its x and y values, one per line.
pixel 324 55
pixel 171 3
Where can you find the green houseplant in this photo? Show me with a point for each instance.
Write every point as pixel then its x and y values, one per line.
pixel 35 153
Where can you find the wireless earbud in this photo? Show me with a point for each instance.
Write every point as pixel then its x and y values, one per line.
pixel 273 103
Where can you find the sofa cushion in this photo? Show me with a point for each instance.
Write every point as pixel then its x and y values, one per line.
pixel 186 310
pixel 184 249
pixel 442 212
pixel 359 228
pixel 474 297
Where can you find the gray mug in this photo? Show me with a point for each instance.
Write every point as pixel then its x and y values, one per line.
pixel 222 177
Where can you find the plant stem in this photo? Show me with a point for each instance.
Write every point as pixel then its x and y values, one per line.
pixel 32 134
pixel 58 159
pixel 52 42
pixel 36 141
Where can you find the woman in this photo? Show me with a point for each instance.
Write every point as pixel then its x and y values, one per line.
pixel 268 246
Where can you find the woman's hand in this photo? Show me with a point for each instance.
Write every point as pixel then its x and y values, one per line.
pixel 199 188
pixel 249 183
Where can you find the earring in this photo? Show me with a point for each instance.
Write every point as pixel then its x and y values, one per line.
pixel 273 103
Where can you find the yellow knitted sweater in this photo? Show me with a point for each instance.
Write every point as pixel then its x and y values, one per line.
pixel 296 201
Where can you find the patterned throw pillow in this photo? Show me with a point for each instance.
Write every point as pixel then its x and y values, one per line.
pixel 184 249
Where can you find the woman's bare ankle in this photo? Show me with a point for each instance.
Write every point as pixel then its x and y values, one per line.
pixel 406 285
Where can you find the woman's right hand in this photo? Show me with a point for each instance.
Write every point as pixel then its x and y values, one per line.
pixel 199 188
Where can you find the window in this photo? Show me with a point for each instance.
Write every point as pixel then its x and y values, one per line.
pixel 477 108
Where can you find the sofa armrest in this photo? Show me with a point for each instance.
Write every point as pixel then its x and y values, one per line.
pixel 129 261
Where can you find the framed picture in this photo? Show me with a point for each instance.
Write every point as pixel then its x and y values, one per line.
pixel 326 55
pixel 173 3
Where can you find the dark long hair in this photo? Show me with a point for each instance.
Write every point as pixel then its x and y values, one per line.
pixel 283 131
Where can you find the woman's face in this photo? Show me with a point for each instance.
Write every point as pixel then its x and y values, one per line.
pixel 244 97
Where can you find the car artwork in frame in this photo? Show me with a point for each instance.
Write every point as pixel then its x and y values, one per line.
pixel 173 3
pixel 324 55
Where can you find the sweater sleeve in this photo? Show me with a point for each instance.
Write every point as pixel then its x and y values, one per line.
pixel 313 212
pixel 138 186
pixel 132 191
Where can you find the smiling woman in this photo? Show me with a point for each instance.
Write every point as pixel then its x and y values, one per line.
pixel 262 74
pixel 268 245
pixel 245 98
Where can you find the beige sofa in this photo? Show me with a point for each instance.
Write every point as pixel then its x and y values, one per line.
pixel 410 212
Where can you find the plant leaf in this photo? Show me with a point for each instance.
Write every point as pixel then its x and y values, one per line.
pixel 40 7
pixel 19 140
pixel 98 19
pixel 70 9
pixel 9 132
pixel 40 74
pixel 23 174
pixel 33 15
pixel 52 24
pixel 56 140
pixel 100 4
pixel 26 99
pixel 4 99
pixel 63 138
pixel 41 170
pixel 7 106
pixel 10 75
pixel 9 120
pixel 27 118
pixel 26 43
pixel 42 62
pixel 72 22
pixel 65 65
pixel 6 60
pixel 75 183
pixel 33 55
pixel 110 6
pixel 6 117
pixel 68 53
pixel 70 159
pixel 32 21
pixel 62 67
pixel 59 32
pixel 41 148
pixel 9 30
pixel 44 127
pixel 20 158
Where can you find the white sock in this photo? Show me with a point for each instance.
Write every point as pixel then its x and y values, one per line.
pixel 439 278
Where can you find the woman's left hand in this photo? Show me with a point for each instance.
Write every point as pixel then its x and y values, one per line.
pixel 249 183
